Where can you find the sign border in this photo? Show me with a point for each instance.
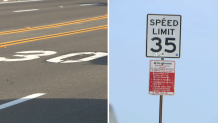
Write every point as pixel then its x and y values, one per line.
pixel 179 37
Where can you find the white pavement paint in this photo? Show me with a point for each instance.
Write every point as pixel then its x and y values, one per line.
pixel 19 1
pixel 89 4
pixel 6 105
pixel 29 55
pixel 59 59
pixel 26 10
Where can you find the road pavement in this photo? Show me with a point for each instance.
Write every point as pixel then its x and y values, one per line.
pixel 66 64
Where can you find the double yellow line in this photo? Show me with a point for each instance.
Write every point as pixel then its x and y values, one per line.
pixel 53 25
pixel 51 36
pixel 3 45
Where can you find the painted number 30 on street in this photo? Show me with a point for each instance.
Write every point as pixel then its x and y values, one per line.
pixel 30 55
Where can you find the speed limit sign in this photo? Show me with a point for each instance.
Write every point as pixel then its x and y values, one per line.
pixel 163 38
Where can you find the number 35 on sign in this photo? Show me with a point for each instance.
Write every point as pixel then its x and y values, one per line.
pixel 163 38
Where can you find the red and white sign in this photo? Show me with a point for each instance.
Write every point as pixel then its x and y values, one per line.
pixel 162 77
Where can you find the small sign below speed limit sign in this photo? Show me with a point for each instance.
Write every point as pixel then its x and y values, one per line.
pixel 163 38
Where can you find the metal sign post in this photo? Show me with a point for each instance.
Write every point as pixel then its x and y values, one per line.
pixel 161 105
pixel 160 109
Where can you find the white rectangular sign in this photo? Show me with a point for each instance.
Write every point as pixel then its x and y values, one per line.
pixel 163 38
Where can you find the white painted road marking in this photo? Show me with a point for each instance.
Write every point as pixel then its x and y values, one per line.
pixel 59 59
pixel 21 100
pixel 19 1
pixel 26 10
pixel 89 4
pixel 29 56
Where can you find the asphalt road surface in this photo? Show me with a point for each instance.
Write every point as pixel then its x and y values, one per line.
pixel 53 60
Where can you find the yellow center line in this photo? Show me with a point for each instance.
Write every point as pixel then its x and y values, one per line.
pixel 51 36
pixel 53 25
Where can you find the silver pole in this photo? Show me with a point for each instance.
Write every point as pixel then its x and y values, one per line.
pixel 161 105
